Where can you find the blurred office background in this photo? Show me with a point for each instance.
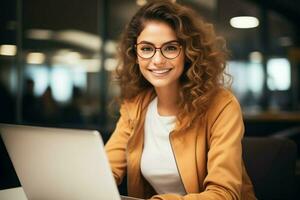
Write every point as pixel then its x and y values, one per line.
pixel 57 58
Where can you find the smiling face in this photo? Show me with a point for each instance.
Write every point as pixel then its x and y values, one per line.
pixel 160 71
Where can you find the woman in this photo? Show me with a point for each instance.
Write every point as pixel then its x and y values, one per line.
pixel 179 134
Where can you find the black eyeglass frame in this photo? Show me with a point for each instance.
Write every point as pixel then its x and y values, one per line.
pixel 175 41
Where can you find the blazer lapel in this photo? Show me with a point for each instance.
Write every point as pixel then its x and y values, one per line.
pixel 184 149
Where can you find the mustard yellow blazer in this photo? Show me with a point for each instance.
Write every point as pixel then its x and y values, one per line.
pixel 208 152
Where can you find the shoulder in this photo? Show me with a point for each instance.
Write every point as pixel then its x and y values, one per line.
pixel 223 99
pixel 222 96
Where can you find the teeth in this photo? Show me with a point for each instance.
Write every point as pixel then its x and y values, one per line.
pixel 160 71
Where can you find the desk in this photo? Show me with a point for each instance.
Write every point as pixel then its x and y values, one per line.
pixel 18 194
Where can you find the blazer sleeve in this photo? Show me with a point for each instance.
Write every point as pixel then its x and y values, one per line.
pixel 224 158
pixel 117 144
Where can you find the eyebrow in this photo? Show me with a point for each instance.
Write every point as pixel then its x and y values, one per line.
pixel 146 42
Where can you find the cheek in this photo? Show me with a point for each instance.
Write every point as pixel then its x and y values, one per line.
pixel 142 63
pixel 142 67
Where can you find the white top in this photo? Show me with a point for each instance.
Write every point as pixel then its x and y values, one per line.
pixel 158 164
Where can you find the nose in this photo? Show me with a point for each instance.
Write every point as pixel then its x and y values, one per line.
pixel 158 58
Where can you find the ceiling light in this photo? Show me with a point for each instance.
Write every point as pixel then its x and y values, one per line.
pixel 244 22
pixel 8 50
pixel 65 56
pixel 80 38
pixel 36 58
pixel 75 37
pixel 39 34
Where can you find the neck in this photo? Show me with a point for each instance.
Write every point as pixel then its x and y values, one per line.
pixel 167 101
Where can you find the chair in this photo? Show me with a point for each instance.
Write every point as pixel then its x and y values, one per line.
pixel 270 163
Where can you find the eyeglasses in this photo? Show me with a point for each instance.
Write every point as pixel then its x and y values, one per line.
pixel 169 50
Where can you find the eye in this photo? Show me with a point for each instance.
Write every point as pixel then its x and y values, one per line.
pixel 171 47
pixel 146 48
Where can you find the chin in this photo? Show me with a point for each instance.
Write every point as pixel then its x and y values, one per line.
pixel 160 83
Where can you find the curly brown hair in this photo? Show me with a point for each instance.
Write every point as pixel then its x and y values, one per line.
pixel 205 56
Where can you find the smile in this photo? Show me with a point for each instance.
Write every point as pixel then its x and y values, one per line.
pixel 160 72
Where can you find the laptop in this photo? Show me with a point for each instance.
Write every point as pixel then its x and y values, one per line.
pixel 55 163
